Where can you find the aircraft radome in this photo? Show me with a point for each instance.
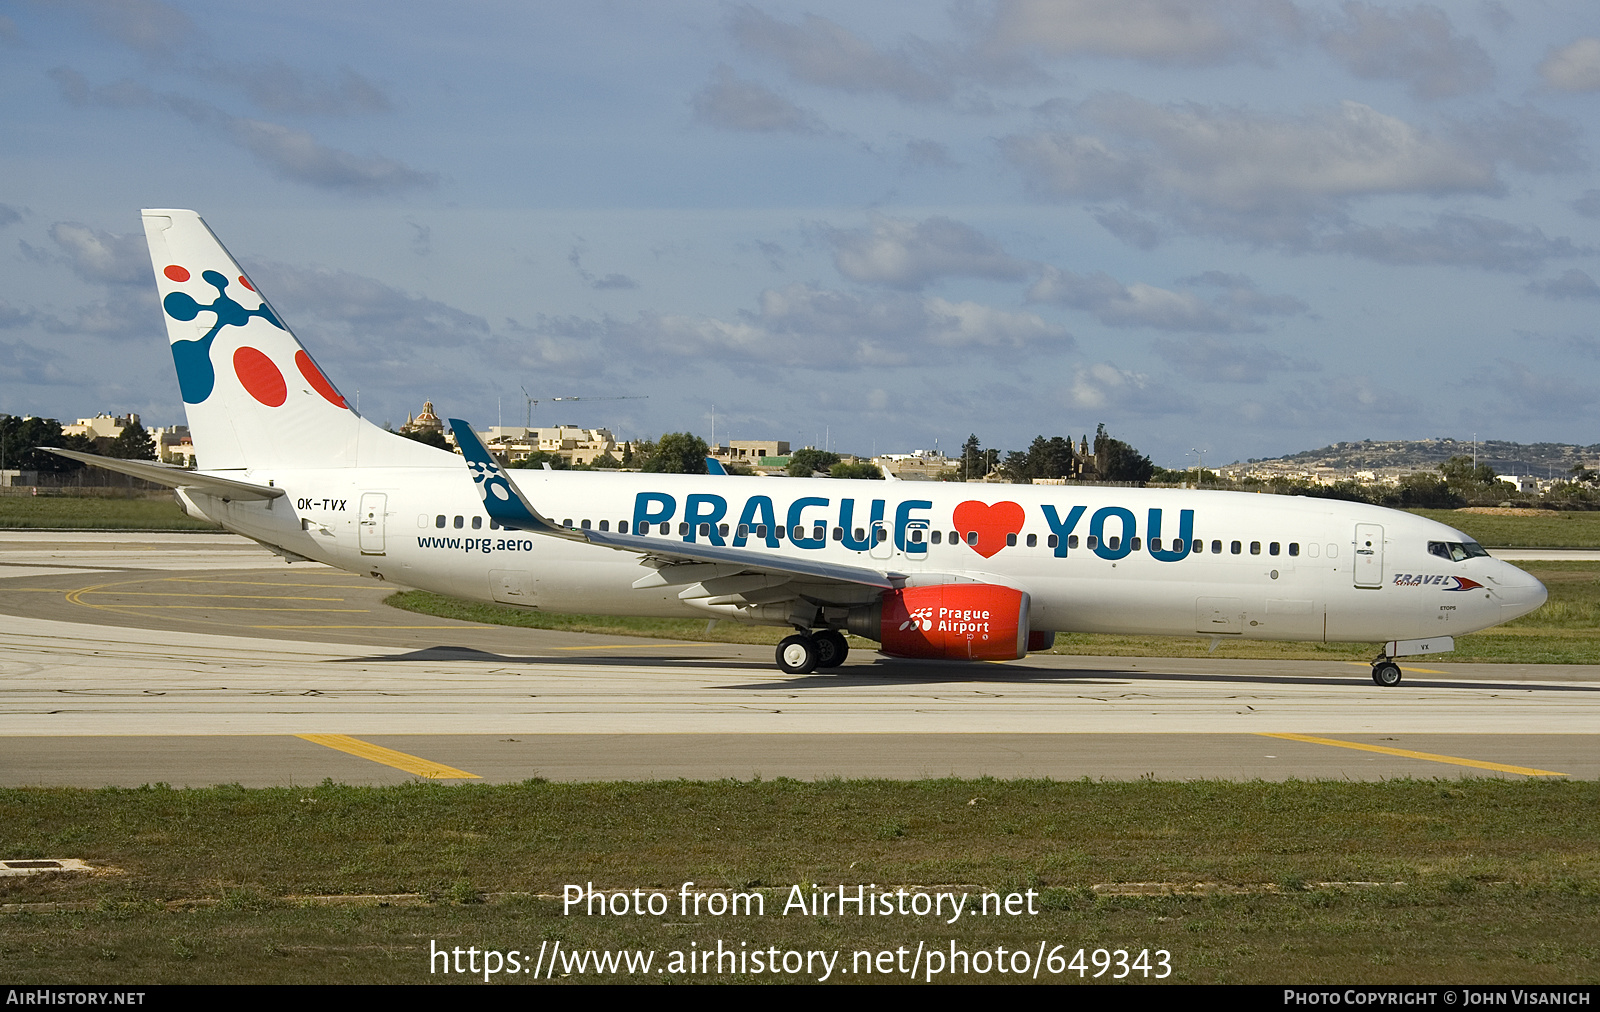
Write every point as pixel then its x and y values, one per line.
pixel 925 569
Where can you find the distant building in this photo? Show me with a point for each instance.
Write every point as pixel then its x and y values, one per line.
pixel 173 445
pixel 751 452
pixel 101 426
pixel 427 421
pixel 577 446
pixel 918 465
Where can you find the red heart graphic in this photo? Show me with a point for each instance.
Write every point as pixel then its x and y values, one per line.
pixel 992 523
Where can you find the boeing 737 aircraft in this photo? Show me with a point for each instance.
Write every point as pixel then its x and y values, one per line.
pixel 928 570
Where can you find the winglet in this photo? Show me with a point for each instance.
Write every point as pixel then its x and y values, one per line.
pixel 714 466
pixel 502 500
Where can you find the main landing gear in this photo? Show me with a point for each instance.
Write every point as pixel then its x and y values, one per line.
pixel 1386 672
pixel 805 652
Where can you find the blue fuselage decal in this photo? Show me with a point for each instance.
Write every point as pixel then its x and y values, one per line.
pixel 1113 530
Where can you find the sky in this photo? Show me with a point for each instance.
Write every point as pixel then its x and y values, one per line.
pixel 1237 227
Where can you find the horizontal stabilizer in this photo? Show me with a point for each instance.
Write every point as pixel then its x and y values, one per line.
pixel 174 477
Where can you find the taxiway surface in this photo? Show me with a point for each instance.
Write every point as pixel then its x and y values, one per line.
pixel 198 659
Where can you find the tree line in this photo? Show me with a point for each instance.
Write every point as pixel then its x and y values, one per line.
pixel 1056 457
pixel 1458 482
pixel 21 440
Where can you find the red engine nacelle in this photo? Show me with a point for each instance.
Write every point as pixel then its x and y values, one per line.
pixel 959 621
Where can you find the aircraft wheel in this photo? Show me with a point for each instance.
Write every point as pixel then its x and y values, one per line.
pixel 798 655
pixel 1386 674
pixel 832 648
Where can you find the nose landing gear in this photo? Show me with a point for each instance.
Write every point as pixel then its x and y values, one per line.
pixel 1386 672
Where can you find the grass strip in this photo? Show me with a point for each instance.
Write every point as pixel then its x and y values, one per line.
pixel 1474 881
pixel 1549 529
pixel 83 513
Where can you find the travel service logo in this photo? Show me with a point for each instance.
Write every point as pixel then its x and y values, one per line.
pixel 1434 580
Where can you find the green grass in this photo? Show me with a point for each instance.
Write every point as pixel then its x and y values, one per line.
pixel 1550 529
pixel 59 512
pixel 1487 880
pixel 440 606
pixel 1565 631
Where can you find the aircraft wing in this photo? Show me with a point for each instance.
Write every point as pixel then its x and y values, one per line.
pixel 504 502
pixel 174 477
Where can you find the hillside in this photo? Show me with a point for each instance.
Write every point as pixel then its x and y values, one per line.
pixel 1539 459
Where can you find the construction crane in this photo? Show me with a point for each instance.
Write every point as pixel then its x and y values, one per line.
pixel 532 400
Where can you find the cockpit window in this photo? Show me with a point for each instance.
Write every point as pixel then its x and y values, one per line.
pixel 1457 551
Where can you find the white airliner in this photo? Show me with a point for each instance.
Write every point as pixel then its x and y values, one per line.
pixel 928 570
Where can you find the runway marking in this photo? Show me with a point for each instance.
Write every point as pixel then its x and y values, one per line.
pixel 248 597
pixel 624 646
pixel 230 607
pixel 270 583
pixel 376 627
pixel 1420 671
pixel 389 757
pixel 1406 753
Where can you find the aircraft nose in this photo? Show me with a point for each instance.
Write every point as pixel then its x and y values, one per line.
pixel 1519 593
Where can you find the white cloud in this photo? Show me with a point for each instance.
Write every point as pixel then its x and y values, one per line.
pixel 24 363
pixel 607 283
pixel 807 327
pixel 1527 394
pixel 1573 67
pixel 104 257
pixel 1525 137
pixel 297 156
pixel 927 154
pixel 821 52
pixel 1416 44
pixel 730 102
pixel 1235 309
pixel 129 314
pixel 909 254
pixel 365 314
pixel 11 316
pixel 1459 240
pixel 149 27
pixel 1230 171
pixel 123 94
pixel 1220 361
pixel 1104 387
pixel 1167 32
pixel 1574 284
pixel 279 88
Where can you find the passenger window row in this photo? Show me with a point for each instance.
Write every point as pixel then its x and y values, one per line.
pixel 820 532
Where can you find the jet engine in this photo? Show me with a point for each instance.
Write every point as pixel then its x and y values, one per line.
pixel 951 621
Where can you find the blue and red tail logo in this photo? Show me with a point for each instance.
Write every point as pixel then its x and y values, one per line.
pixel 259 375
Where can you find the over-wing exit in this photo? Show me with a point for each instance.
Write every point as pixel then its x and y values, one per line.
pixel 926 570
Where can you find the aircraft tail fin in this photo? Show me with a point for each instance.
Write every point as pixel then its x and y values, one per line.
pixel 253 394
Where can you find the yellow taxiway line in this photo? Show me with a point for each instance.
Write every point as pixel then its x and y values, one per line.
pixel 1407 754
pixel 389 757
pixel 624 646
